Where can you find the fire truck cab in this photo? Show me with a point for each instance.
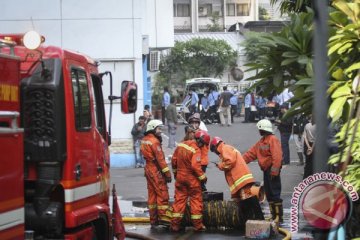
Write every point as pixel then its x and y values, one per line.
pixel 54 175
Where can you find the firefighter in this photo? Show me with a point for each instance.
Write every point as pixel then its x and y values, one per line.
pixel 268 152
pixel 188 175
pixel 239 178
pixel 157 174
pixel 189 132
pixel 197 124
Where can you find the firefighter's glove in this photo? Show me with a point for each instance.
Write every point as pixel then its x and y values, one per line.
pixel 168 179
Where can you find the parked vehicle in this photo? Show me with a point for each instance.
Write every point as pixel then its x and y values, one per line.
pixel 54 142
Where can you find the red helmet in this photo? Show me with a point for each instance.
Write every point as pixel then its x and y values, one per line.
pixel 214 143
pixel 203 136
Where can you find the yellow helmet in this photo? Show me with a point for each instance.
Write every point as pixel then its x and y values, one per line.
pixel 153 124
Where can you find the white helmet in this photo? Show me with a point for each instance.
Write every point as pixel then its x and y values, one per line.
pixel 153 124
pixel 265 125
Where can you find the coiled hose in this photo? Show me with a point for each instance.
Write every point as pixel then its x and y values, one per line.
pixel 216 214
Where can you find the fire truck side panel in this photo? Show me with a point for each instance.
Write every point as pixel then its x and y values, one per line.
pixel 9 80
pixel 11 149
pixel 12 186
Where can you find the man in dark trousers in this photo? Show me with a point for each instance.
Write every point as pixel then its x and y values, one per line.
pixel 268 152
pixel 138 132
pixel 285 128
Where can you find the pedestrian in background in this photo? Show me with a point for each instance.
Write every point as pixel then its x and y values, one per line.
pixel 165 103
pixel 260 105
pixel 205 113
pixel 188 176
pixel 171 118
pixel 213 100
pixel 193 107
pixel 299 123
pixel 285 128
pixel 233 104
pixel 247 104
pixel 268 153
pixel 147 113
pixel 239 178
pixel 225 108
pixel 157 174
pixel 137 133
pixel 239 105
pixel 253 109
pixel 309 139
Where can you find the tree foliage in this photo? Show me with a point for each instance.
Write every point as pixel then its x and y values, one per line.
pixel 215 25
pixel 344 62
pixel 263 14
pixel 199 57
pixel 286 58
pixel 293 6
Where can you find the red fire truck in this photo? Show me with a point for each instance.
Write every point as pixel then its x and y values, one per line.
pixel 54 155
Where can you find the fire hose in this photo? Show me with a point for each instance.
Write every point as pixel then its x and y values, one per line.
pixel 216 214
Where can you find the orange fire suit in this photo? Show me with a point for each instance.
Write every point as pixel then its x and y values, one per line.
pixel 268 151
pixel 186 164
pixel 237 173
pixel 156 170
pixel 269 154
pixel 204 162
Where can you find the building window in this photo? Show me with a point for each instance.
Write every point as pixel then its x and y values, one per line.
pixel 230 9
pixel 205 10
pixel 242 10
pixel 183 10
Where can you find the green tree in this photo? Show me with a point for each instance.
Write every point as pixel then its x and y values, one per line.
pixel 344 56
pixel 284 59
pixel 263 14
pixel 215 25
pixel 293 6
pixel 199 57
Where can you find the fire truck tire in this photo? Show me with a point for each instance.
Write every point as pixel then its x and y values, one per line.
pixel 101 227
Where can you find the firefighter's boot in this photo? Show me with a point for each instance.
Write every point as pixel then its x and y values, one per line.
pixel 272 210
pixel 251 209
pixel 279 211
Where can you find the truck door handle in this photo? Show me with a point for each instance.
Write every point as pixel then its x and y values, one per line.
pixel 77 172
pixel 99 168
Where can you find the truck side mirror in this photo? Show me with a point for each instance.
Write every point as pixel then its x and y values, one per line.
pixel 128 97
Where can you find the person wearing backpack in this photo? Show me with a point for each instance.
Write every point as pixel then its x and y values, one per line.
pixel 299 123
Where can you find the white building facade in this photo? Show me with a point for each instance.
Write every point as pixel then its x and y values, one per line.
pixel 119 34
pixel 195 15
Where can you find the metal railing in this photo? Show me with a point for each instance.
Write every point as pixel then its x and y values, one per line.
pixel 13 125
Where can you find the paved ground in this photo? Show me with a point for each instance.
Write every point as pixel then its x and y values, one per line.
pixel 131 183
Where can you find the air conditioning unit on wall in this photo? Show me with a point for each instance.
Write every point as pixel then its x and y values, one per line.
pixel 154 61
pixel 202 11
